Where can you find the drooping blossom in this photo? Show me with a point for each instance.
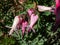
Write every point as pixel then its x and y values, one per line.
pixel 30 12
pixel 33 19
pixel 21 23
pixel 24 25
pixel 45 8
pixel 16 24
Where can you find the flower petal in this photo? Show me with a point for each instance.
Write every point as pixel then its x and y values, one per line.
pixel 16 24
pixel 30 11
pixel 24 25
pixel 43 8
pixel 33 20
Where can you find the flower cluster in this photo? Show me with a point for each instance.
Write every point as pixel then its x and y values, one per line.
pixel 20 23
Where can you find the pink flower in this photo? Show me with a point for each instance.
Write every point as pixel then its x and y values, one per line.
pixel 30 11
pixel 24 25
pixel 33 19
pixel 20 23
pixel 43 8
pixel 16 24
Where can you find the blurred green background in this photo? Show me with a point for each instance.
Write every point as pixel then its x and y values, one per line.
pixel 43 35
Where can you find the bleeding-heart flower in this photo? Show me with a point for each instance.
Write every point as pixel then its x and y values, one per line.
pixel 24 25
pixel 43 8
pixel 30 12
pixel 21 23
pixel 33 19
pixel 16 24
